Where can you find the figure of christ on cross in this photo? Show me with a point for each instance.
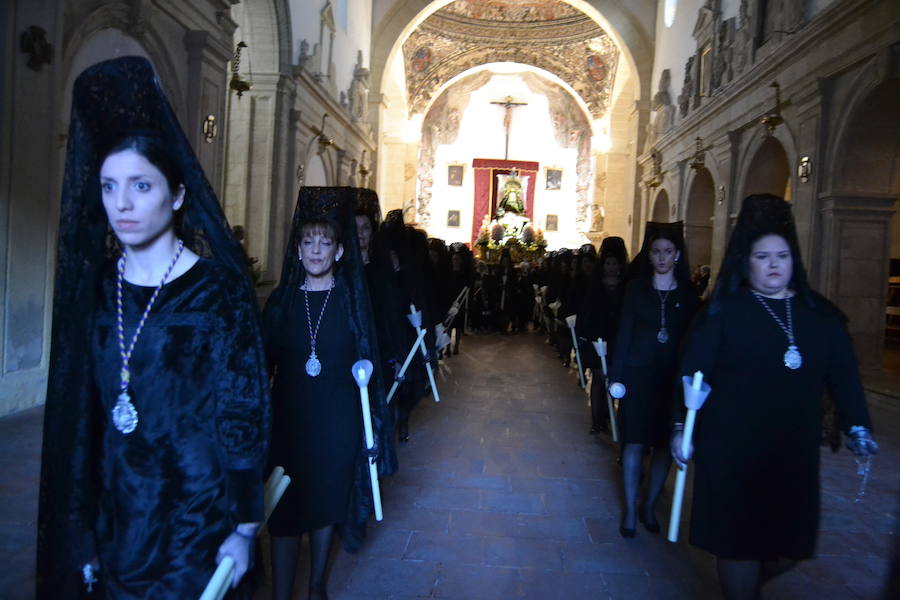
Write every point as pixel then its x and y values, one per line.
pixel 508 104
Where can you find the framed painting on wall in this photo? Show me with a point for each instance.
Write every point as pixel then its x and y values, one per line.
pixel 455 174
pixel 552 223
pixel 452 218
pixel 554 178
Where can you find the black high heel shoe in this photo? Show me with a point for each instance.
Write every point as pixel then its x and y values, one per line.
pixel 626 532
pixel 651 526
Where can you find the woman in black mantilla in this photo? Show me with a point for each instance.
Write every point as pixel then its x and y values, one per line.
pixel 769 346
pixel 598 317
pixel 461 276
pixel 656 311
pixel 156 417
pixel 318 323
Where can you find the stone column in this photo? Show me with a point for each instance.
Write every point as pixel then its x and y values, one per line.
pixel 206 90
pixel 724 150
pixel 854 265
pixel 29 202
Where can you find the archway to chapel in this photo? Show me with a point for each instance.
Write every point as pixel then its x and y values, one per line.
pixel 698 220
pixel 769 171
pixel 862 230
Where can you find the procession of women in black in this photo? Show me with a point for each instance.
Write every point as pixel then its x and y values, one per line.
pixel 172 395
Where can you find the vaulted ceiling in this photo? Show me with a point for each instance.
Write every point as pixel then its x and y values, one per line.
pixel 548 34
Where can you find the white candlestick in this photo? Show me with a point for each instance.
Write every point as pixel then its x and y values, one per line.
pixel 600 347
pixel 409 356
pixel 362 370
pixel 694 396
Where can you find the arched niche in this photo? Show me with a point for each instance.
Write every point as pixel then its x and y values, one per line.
pixel 870 159
pixel 661 212
pixel 769 171
pixel 701 199
pixel 316 172
pixel 859 238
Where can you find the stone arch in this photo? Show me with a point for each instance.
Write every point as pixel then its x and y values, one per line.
pixel 257 189
pixel 317 171
pixel 661 212
pixel 863 185
pixel 101 36
pixel 766 170
pixel 869 143
pixel 699 209
pixel 632 39
pixel 267 24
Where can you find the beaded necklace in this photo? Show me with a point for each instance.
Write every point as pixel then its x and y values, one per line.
pixel 792 358
pixel 124 414
pixel 313 366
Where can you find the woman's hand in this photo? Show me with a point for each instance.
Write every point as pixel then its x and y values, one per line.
pixel 675 445
pixel 373 452
pixel 239 546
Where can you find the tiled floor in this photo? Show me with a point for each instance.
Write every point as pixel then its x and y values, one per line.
pixel 503 494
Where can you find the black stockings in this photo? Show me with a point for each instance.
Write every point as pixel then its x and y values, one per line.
pixel 632 457
pixel 319 549
pixel 286 551
pixel 743 579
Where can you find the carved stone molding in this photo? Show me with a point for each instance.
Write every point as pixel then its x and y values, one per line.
pixel 550 34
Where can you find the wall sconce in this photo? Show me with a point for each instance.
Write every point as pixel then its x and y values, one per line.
pixel 237 84
pixel 363 167
pixel 773 119
pixel 720 196
pixel 698 160
pixel 656 172
pixel 210 129
pixel 804 169
pixel 324 140
pixel 33 42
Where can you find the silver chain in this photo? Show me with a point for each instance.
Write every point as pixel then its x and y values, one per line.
pixel 662 303
pixel 789 329
pixel 314 333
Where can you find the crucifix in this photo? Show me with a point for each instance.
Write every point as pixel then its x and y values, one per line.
pixel 508 104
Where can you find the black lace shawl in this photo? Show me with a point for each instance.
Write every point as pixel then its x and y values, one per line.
pixel 337 204
pixel 110 99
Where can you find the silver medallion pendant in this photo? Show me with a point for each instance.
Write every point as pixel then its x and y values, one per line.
pixel 663 336
pixel 792 358
pixel 313 366
pixel 124 414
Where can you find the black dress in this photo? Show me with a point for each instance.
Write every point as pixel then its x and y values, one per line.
pixel 598 317
pixel 176 487
pixel 646 366
pixel 317 421
pixel 756 486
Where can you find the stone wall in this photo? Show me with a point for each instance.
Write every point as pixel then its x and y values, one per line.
pixel 827 65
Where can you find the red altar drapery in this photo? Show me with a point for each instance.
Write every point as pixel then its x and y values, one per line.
pixel 486 171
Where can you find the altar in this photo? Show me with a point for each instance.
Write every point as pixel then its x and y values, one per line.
pixel 503 210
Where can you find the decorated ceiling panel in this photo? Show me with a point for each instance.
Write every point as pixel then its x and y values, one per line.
pixel 548 34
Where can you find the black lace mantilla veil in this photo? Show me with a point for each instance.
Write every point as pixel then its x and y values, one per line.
pixel 110 99
pixel 338 204
pixel 640 266
pixel 761 214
